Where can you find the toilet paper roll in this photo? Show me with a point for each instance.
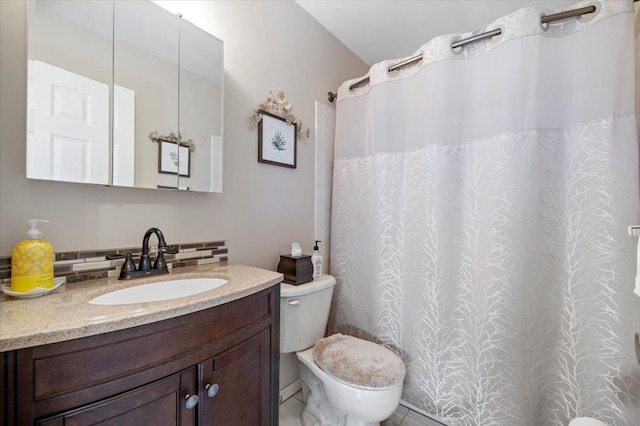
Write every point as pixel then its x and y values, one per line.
pixel 586 421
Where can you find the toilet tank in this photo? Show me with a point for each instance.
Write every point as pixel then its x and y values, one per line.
pixel 304 312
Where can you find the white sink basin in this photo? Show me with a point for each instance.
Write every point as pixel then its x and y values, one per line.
pixel 162 290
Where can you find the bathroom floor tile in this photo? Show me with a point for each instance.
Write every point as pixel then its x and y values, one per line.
pixel 395 419
pixel 408 421
pixel 290 411
pixel 402 409
pixel 416 419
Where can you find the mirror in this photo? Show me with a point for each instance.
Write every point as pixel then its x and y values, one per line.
pixel 200 105
pixel 123 94
pixel 68 91
pixel 145 95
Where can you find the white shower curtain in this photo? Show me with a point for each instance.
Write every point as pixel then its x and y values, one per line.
pixel 479 216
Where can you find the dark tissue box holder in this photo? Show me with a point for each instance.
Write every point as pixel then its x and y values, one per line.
pixel 296 269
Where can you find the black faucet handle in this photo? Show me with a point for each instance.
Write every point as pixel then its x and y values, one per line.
pixel 128 264
pixel 160 262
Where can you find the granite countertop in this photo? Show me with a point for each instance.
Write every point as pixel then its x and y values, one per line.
pixel 65 314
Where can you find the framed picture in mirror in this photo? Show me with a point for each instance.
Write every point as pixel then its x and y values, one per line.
pixel 174 159
pixel 277 141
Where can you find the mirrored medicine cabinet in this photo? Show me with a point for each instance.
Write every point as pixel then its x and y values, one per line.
pixel 123 93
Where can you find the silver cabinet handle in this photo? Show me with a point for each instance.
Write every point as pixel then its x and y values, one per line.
pixel 212 389
pixel 191 401
pixel 294 302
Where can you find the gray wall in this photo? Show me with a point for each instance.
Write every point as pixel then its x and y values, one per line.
pixel 269 45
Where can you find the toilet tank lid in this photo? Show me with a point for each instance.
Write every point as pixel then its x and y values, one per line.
pixel 320 283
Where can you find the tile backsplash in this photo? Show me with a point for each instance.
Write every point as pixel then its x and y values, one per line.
pixel 77 266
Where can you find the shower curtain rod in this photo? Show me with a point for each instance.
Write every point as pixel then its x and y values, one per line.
pixel 545 19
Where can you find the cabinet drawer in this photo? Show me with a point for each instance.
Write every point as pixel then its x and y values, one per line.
pixel 89 362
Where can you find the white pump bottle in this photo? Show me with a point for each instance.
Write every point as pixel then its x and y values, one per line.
pixel 316 260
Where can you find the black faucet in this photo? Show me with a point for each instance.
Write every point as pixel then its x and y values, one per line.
pixel 145 262
pixel 128 270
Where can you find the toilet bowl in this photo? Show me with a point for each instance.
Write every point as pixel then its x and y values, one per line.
pixel 333 399
pixel 343 403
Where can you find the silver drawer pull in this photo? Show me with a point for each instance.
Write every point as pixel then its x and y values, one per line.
pixel 212 389
pixel 191 401
pixel 294 302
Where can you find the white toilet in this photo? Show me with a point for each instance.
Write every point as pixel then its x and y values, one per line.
pixel 361 387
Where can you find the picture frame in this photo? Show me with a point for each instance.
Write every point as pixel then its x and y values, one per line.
pixel 171 159
pixel 277 141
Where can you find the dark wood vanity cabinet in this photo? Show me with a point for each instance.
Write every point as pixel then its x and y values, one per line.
pixel 224 357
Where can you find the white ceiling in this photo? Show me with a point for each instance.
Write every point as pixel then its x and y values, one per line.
pixel 389 29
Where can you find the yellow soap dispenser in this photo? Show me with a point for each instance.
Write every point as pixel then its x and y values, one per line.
pixel 32 261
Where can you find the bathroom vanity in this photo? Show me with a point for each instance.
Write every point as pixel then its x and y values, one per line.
pixel 208 359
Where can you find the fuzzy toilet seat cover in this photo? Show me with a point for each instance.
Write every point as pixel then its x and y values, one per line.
pixel 358 362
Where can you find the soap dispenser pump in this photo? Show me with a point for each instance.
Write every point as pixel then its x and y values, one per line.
pixel 316 260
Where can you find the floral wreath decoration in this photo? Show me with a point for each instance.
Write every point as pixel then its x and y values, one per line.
pixel 280 107
pixel 173 138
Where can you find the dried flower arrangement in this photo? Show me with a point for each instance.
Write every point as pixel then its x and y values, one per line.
pixel 172 137
pixel 280 107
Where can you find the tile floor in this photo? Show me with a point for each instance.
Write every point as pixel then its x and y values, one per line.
pixel 291 409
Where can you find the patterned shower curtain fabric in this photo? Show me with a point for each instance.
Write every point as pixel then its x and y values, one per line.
pixel 479 216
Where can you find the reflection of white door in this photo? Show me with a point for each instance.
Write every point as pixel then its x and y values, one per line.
pixel 123 136
pixel 68 128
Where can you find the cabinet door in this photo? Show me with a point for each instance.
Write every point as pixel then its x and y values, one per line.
pixel 159 403
pixel 242 376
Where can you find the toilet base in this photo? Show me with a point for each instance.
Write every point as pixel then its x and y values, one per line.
pixel 319 412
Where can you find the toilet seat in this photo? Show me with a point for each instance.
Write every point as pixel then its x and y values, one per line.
pixel 306 357
pixel 358 363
